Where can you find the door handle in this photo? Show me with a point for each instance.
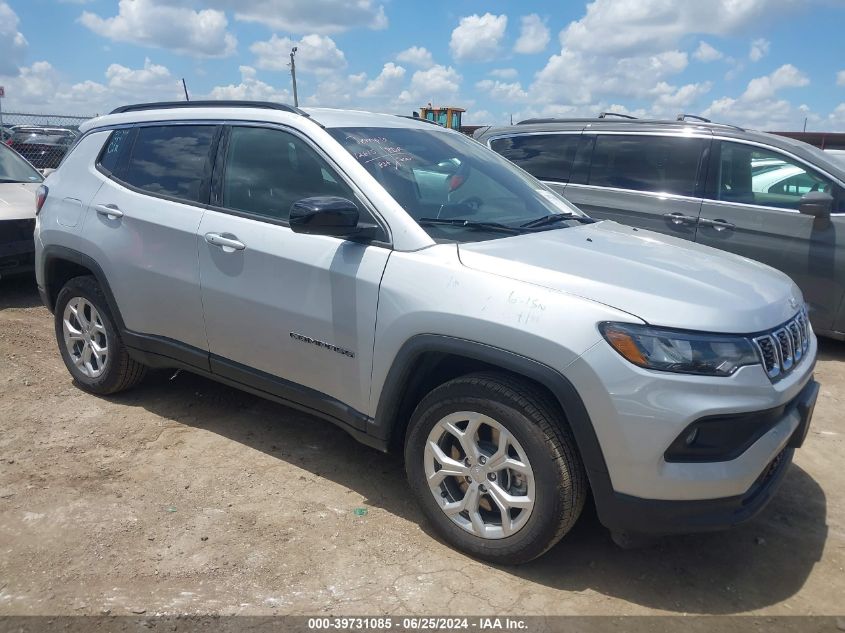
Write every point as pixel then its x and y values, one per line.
pixel 718 225
pixel 679 219
pixel 109 210
pixel 224 242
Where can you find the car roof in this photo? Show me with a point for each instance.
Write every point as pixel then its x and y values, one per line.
pixel 253 111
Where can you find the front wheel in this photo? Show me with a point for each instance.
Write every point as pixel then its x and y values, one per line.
pixel 495 467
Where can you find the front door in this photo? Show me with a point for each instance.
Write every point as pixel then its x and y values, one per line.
pixel 647 181
pixel 289 313
pixel 753 211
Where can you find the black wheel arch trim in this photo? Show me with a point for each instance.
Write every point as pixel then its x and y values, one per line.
pixel 385 424
pixel 55 252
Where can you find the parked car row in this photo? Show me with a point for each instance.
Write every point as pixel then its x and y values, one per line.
pixel 766 197
pixel 423 293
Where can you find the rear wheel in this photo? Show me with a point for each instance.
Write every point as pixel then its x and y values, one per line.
pixel 494 467
pixel 89 340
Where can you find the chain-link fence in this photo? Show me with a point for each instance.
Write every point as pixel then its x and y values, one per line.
pixel 43 139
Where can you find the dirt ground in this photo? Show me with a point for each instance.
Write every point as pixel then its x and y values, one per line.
pixel 185 496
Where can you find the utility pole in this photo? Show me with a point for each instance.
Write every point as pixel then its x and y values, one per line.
pixel 293 76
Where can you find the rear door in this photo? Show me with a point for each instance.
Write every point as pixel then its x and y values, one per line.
pixel 144 222
pixel 752 209
pixel 649 181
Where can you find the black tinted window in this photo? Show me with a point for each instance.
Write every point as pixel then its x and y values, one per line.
pixel 751 175
pixel 544 156
pixel 268 170
pixel 114 148
pixel 662 164
pixel 171 160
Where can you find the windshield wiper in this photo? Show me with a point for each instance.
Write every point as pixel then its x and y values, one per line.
pixel 471 224
pixel 554 218
pixel 7 181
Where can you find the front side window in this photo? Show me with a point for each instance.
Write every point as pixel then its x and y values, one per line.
pixel 13 168
pixel 659 164
pixel 547 157
pixel 171 160
pixel 749 174
pixel 454 187
pixel 268 170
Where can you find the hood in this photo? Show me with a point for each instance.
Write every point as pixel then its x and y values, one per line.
pixel 663 280
pixel 17 200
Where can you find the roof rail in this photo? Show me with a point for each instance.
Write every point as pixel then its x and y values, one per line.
pixel 684 117
pixel 417 118
pixel 604 115
pixel 167 105
pixel 552 120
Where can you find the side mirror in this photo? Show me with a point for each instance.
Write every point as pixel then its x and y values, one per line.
pixel 329 215
pixel 817 204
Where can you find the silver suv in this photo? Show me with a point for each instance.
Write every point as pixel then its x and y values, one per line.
pixel 415 288
pixel 771 198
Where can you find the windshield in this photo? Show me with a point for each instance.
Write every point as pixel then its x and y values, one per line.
pixel 13 168
pixel 43 137
pixel 453 186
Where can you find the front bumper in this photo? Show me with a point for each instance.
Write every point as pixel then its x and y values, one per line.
pixel 626 513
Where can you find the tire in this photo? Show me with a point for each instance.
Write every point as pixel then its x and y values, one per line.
pixel 106 374
pixel 540 435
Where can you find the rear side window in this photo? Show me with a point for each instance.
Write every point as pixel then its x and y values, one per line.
pixel 545 156
pixel 114 150
pixel 660 164
pixel 171 160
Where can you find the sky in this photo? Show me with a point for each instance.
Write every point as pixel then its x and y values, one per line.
pixel 765 64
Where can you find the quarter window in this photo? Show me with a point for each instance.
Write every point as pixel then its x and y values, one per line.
pixel 547 157
pixel 171 160
pixel 114 149
pixel 268 170
pixel 752 175
pixel 660 164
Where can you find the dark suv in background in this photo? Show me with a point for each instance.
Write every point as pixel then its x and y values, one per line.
pixel 44 147
pixel 767 197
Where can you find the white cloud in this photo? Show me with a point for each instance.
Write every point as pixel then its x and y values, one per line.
pixel 504 73
pixel 840 78
pixel 177 28
pixel 787 76
pixel 313 16
pixel 477 37
pixel 250 88
pixel 387 83
pixel 439 84
pixel 502 91
pixel 534 36
pixel 315 53
pixel 13 44
pixel 573 77
pixel 759 49
pixel 41 88
pixel 706 53
pixel 416 56
pixel 759 106
pixel 646 26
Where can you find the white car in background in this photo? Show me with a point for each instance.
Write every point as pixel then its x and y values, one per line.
pixel 19 182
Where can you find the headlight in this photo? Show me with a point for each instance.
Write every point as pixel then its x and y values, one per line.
pixel 680 351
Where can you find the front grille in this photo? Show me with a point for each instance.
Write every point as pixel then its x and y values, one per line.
pixel 16 230
pixel 783 348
